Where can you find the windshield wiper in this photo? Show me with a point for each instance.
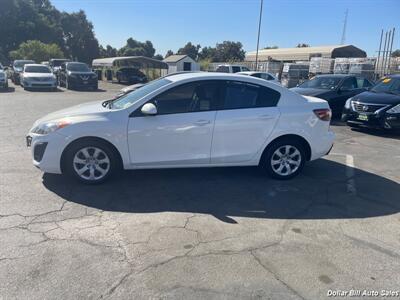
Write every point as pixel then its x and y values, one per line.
pixel 108 103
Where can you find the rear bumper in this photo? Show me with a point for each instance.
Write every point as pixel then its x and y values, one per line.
pixel 323 146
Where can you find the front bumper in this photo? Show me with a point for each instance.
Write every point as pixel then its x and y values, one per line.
pixel 46 151
pixel 379 120
pixel 40 84
pixel 79 83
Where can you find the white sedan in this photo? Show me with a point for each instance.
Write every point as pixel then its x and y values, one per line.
pixel 186 120
pixel 36 76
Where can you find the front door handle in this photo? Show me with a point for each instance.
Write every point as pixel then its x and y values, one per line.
pixel 202 122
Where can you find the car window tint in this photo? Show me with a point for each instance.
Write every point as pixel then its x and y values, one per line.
pixel 223 69
pixel 235 69
pixel 191 97
pixel 245 69
pixel 349 84
pixel 243 95
pixel 258 75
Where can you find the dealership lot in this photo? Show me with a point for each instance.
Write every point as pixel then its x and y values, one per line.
pixel 196 233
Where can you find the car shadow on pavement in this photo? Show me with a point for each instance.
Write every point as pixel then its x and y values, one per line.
pixel 392 134
pixel 322 191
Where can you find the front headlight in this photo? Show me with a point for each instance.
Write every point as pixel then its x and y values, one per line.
pixel 348 103
pixel 48 127
pixel 394 110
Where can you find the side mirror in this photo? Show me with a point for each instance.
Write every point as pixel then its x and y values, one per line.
pixel 149 109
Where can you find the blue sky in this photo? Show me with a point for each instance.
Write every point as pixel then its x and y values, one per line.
pixel 169 24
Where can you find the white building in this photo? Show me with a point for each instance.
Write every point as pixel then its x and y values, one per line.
pixel 179 63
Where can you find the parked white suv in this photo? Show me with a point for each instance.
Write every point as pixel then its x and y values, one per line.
pixel 231 68
pixel 186 120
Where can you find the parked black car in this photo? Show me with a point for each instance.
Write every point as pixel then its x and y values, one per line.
pixel 16 69
pixel 130 76
pixel 335 89
pixel 77 75
pixel 378 107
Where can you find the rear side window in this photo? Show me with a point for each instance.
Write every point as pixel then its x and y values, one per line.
pixel 235 69
pixel 363 83
pixel 245 69
pixel 244 95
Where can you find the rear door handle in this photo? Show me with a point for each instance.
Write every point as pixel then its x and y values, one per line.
pixel 202 122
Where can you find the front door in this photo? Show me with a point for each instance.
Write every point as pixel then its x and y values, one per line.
pixel 180 133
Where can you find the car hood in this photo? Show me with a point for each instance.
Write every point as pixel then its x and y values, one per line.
pixel 378 98
pixel 310 91
pixel 85 109
pixel 37 74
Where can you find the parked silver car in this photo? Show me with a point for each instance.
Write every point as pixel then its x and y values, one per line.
pixel 38 76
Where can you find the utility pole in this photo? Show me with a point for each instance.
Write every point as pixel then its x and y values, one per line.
pixel 344 27
pixel 391 48
pixel 258 36
pixel 379 54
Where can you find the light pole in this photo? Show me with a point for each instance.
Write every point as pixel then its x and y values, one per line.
pixel 258 36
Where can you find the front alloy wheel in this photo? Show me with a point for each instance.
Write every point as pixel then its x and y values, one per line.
pixel 91 163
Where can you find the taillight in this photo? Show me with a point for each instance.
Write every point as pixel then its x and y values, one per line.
pixel 324 114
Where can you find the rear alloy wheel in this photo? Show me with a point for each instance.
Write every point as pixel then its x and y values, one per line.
pixel 91 162
pixel 284 159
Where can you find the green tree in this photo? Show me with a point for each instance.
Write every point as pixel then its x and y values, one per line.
pixel 37 51
pixel 230 51
pixel 271 47
pixel 136 48
pixel 158 56
pixel 190 50
pixel 109 51
pixel 80 41
pixel 207 53
pixel 169 53
pixel 396 53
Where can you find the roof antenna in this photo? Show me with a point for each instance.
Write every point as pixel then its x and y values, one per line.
pixel 344 27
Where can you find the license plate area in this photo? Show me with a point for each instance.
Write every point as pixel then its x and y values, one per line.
pixel 28 141
pixel 362 117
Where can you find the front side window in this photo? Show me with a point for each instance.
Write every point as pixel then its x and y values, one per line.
pixel 245 69
pixel 244 95
pixel 323 82
pixel 363 83
pixel 235 69
pixel 190 97
pixel 349 84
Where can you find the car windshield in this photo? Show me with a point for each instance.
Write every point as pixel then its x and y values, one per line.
pixel 133 97
pixel 37 69
pixel 387 85
pixel 22 63
pixel 57 62
pixel 326 83
pixel 78 67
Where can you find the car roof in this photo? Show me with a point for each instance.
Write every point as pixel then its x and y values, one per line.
pixel 35 65
pixel 336 75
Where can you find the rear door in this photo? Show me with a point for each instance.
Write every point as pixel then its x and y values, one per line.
pixel 245 120
pixel 181 132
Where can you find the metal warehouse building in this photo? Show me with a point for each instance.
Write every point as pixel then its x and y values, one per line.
pixel 305 53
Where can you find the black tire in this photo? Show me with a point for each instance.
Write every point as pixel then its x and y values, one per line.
pixel 270 155
pixel 75 150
